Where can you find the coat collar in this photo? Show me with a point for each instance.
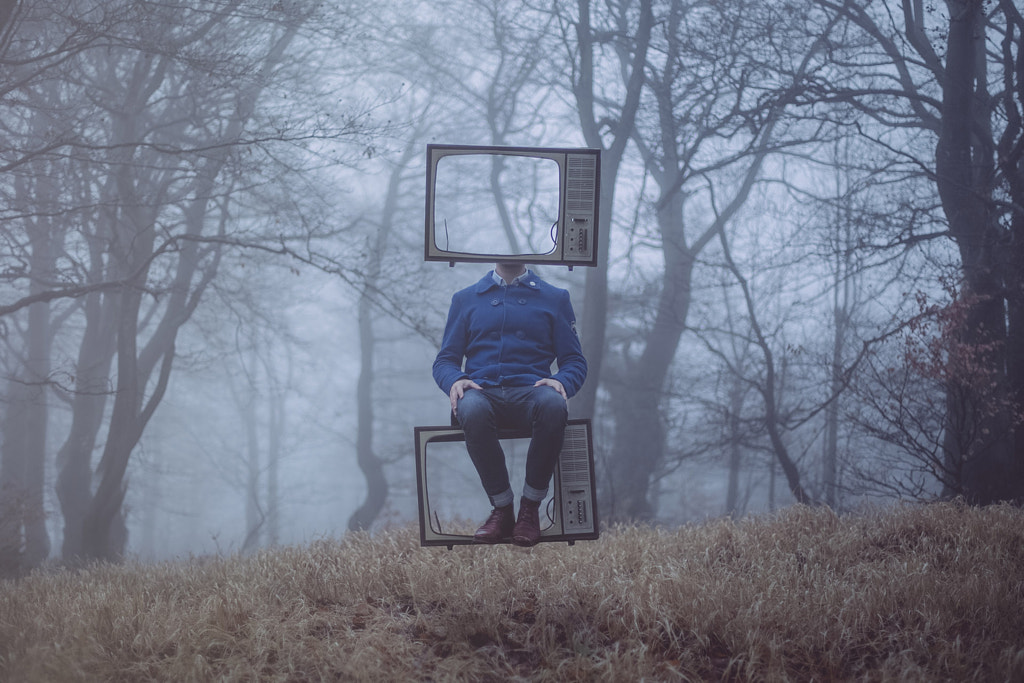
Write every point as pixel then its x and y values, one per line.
pixel 529 280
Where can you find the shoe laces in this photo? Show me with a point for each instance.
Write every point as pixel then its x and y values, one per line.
pixel 530 513
pixel 499 516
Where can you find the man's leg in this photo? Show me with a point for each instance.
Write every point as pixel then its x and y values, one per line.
pixel 547 414
pixel 476 415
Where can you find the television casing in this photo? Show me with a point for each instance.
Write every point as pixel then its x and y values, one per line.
pixel 570 514
pixel 579 195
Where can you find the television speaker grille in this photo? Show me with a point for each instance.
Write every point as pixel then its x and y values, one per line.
pixel 575 458
pixel 580 182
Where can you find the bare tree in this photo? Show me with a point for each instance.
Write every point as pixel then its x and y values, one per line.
pixel 24 540
pixel 955 75
pixel 705 149
pixel 371 465
pixel 142 373
pixel 163 127
pixel 604 41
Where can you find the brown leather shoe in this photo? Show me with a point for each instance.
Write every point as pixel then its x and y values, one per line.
pixel 497 527
pixel 527 530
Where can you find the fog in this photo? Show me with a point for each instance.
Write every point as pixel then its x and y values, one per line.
pixel 217 325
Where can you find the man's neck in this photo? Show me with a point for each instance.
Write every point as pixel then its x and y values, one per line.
pixel 509 272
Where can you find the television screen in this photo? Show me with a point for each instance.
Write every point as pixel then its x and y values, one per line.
pixel 528 204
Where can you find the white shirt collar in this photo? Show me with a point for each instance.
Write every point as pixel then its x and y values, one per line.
pixel 498 280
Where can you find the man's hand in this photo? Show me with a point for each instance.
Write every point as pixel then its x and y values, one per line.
pixel 554 384
pixel 459 389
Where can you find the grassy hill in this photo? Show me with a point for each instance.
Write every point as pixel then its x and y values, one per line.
pixel 918 593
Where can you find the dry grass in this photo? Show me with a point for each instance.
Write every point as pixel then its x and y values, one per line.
pixel 921 593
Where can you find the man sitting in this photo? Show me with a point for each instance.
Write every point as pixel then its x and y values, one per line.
pixel 509 328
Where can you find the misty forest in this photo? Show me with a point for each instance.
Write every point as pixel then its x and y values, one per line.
pixel 217 324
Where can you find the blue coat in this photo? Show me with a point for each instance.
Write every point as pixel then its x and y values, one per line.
pixel 510 336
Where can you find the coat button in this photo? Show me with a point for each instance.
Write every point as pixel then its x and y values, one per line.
pixel 522 301
pixel 494 302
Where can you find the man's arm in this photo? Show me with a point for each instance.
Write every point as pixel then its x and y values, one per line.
pixel 447 367
pixel 572 366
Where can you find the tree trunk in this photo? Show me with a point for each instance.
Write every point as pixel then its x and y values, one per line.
pixel 275 426
pixel 24 540
pixel 1010 156
pixel 841 314
pixel 980 435
pixel 74 459
pixel 370 465
pixel 102 536
pixel 639 430
pixel 830 459
pixel 254 517
pixel 24 431
pixel 768 387
pixel 733 419
pixel 594 319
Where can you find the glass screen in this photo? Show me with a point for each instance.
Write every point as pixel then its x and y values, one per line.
pixel 455 500
pixel 496 204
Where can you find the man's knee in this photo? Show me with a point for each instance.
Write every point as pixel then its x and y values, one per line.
pixel 473 409
pixel 549 406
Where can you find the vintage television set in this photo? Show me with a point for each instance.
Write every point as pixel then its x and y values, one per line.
pixel 448 515
pixel 536 205
pixel 532 205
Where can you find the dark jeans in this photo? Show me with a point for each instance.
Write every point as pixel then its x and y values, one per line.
pixel 542 410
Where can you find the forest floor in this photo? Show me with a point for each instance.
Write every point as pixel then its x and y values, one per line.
pixel 919 593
